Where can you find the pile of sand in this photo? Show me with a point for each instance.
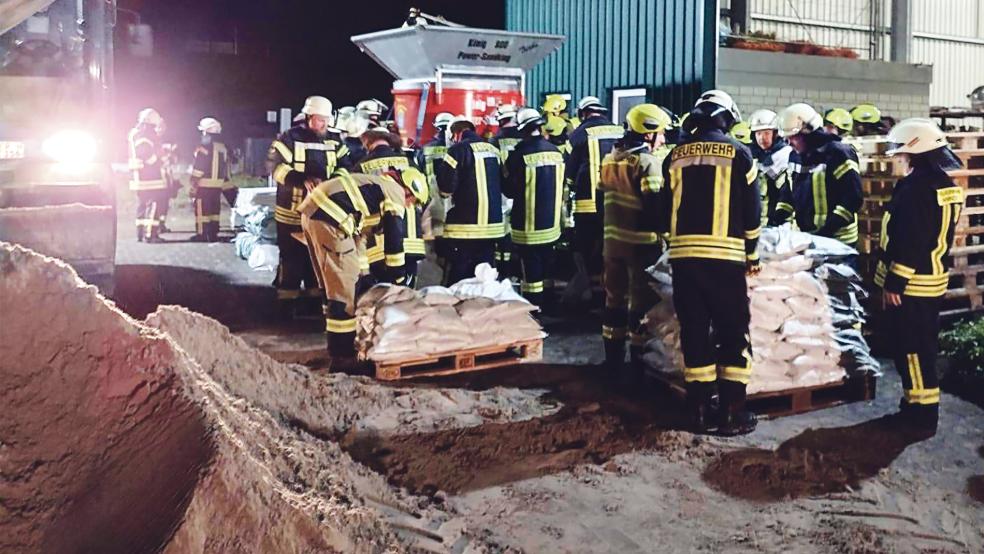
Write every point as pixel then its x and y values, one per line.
pixel 125 437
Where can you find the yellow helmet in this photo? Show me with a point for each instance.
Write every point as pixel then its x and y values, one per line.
pixel 840 118
pixel 554 104
pixel 742 132
pixel 414 180
pixel 646 118
pixel 866 113
pixel 555 125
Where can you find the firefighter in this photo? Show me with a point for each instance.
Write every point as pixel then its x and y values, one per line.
pixel 631 177
pixel 372 110
pixel 337 216
pixel 385 155
pixel 742 132
pixel 534 180
pixel 556 105
pixel 210 180
pixel 771 152
pixel 590 143
pixel 913 269
pixel 868 120
pixel 146 174
pixel 825 195
pixel 508 135
pixel 838 121
pixel 710 208
pixel 351 124
pixel 305 154
pixel 428 158
pixel 555 131
pixel 470 177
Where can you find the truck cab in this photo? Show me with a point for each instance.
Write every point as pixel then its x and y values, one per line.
pixel 56 192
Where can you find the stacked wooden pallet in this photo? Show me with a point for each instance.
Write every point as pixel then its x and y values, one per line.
pixel 879 175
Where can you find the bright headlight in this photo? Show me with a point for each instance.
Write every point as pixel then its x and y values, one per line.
pixel 70 147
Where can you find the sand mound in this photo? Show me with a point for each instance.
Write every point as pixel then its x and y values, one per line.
pixel 119 437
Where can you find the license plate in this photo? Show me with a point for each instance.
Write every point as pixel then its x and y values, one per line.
pixel 11 150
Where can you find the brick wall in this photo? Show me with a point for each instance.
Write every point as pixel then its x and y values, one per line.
pixel 772 80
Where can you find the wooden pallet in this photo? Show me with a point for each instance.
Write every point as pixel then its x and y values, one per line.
pixel 461 361
pixel 793 401
pixel 966 141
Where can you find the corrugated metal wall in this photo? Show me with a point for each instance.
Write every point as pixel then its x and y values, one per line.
pixel 657 44
pixel 947 34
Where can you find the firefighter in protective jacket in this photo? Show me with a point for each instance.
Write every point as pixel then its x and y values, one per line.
pixel 471 177
pixel 771 152
pixel 631 178
pixel 913 269
pixel 593 139
pixel 307 153
pixel 826 189
pixel 385 155
pixel 711 209
pixel 337 217
pixel 210 180
pixel 534 180
pixel 146 174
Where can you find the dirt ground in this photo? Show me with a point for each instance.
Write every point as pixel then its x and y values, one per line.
pixel 536 458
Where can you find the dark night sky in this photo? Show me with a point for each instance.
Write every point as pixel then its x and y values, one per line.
pixel 290 49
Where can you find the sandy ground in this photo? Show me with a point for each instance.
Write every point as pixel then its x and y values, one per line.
pixel 540 458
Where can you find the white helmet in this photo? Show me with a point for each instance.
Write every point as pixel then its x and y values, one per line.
pixel 442 120
pixel 723 100
pixel 371 107
pixel 344 115
pixel 916 136
pixel 210 125
pixel 357 124
pixel 150 117
pixel 527 117
pixel 591 102
pixel 761 120
pixel 799 118
pixel 505 111
pixel 318 105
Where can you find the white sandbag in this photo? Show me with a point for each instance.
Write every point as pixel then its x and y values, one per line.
pixel 264 257
pixel 438 296
pixel 797 328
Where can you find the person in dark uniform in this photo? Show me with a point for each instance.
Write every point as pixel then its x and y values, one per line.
pixel 147 175
pixel 913 267
pixel 471 177
pixel 711 210
pixel 210 180
pixel 534 180
pixel 305 154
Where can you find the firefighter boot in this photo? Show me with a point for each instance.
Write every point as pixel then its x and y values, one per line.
pixel 614 358
pixel 733 419
pixel 920 419
pixel 699 407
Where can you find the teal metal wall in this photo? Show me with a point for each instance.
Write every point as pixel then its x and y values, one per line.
pixel 667 46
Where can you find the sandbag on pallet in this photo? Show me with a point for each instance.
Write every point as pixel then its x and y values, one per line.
pixel 805 315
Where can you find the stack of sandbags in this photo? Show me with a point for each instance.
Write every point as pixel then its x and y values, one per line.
pixel 795 329
pixel 397 323
pixel 257 243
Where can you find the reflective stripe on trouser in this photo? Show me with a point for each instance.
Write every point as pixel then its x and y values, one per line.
pixel 628 295
pixel 148 215
pixel 913 329
pixel 295 267
pixel 533 261
pixel 207 213
pixel 706 294
pixel 337 261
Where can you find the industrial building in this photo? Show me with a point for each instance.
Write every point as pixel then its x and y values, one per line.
pixel 903 55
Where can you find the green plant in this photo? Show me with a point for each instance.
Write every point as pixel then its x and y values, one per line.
pixel 964 345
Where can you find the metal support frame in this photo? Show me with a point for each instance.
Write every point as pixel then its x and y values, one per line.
pixel 901 40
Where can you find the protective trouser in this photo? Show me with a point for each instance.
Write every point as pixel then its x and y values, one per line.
pixel 713 294
pixel 149 205
pixel 294 267
pixel 336 256
pixel 504 261
pixel 464 254
pixel 231 193
pixel 913 330
pixel 533 262
pixel 207 210
pixel 628 297
pixel 411 272
pixel 589 231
